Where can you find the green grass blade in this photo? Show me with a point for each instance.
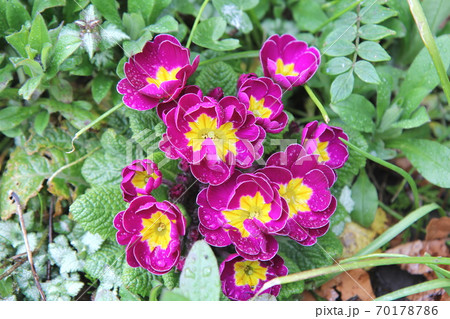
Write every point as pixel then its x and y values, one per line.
pixel 425 286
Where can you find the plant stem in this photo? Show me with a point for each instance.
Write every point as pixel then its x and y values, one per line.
pixel 396 169
pixel 337 15
pixel 393 231
pixel 354 265
pixel 428 40
pixel 424 286
pixel 319 105
pixel 232 56
pixel 71 164
pixel 396 215
pixel 197 20
pixel 16 199
pixel 97 120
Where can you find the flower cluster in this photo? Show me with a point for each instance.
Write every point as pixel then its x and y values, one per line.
pixel 218 139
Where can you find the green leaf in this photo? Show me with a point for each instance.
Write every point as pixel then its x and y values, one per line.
pixel 341 33
pixel 113 143
pixel 19 40
pixel 108 8
pixel 374 32
pixel 147 129
pixel 111 36
pixel 199 279
pixel 158 7
pixel 133 24
pixel 327 249
pixel 142 7
pixel 100 87
pixel 366 72
pixel 170 279
pixel 168 167
pixel 68 41
pixel 164 25
pixel 16 14
pixel 338 65
pixel 292 288
pixel 12 116
pixel 418 118
pixel 103 169
pixel 6 286
pixel 232 12
pixel 415 88
pixel 30 86
pixel 24 175
pixel 208 33
pixel 61 90
pixel 308 15
pixel 96 209
pixel 376 14
pixel 373 52
pixel 365 196
pixel 431 159
pixel 357 112
pixel 208 79
pixel 339 48
pixel 355 160
pixel 31 67
pixel 342 86
pixel 106 264
pixel 41 5
pixel 3 21
pixel 41 121
pixel 38 33
pixel 137 280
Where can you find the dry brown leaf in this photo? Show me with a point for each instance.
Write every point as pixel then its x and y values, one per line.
pixel 419 248
pixel 438 294
pixel 438 228
pixel 354 238
pixel 308 296
pixel 354 284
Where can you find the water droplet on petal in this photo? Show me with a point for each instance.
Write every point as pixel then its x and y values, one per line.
pixel 206 271
pixel 189 273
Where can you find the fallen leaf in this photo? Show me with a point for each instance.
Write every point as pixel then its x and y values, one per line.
pixel 380 222
pixel 438 228
pixel 308 296
pixel 354 238
pixel 419 248
pixel 438 294
pixel 352 285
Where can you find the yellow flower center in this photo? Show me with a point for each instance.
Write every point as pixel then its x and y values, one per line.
pixel 250 207
pixel 141 178
pixel 249 273
pixel 322 152
pixel 205 127
pixel 163 75
pixel 258 108
pixel 296 195
pixel 156 231
pixel 285 69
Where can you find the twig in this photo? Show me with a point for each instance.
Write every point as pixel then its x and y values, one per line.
pixel 16 199
pixel 50 234
pixel 10 270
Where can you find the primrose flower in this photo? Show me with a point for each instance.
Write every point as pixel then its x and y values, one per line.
pixel 158 73
pixel 242 279
pixel 213 136
pixel 323 140
pixel 244 211
pixel 303 183
pixel 263 98
pixel 139 178
pixel 288 61
pixel 151 231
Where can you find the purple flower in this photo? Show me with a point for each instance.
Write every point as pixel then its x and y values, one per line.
pixel 241 278
pixel 287 61
pixel 158 73
pixel 163 108
pixel 213 136
pixel 303 183
pixel 244 211
pixel 139 178
pixel 151 230
pixel 263 98
pixel 323 140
